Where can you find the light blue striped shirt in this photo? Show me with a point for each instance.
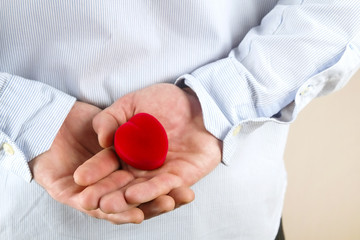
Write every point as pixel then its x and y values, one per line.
pixel 253 64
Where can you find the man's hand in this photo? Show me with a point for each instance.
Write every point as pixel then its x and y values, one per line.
pixel 75 143
pixel 193 153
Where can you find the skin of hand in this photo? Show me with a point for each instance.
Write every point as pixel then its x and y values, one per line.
pixel 193 153
pixel 75 143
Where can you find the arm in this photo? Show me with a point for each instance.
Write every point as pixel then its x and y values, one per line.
pixel 31 114
pixel 296 46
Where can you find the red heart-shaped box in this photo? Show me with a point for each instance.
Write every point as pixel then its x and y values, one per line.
pixel 142 142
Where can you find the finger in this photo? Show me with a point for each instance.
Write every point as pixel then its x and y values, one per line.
pixel 105 125
pixel 106 122
pixel 115 201
pixel 149 190
pixel 182 195
pixel 99 166
pixel 133 215
pixel 166 203
pixel 160 205
pixel 90 197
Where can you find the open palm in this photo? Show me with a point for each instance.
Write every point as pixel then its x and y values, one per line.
pixel 193 151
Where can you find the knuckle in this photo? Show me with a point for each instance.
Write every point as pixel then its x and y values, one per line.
pixel 106 206
pixel 113 203
pixel 87 199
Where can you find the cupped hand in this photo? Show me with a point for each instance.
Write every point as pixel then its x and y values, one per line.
pixel 193 153
pixel 75 143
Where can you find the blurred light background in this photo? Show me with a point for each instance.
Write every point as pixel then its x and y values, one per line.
pixel 323 163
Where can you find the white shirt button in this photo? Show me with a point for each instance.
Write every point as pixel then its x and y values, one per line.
pixel 8 148
pixel 305 90
pixel 237 130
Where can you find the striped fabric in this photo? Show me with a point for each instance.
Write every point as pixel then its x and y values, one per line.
pixel 254 64
pixel 38 110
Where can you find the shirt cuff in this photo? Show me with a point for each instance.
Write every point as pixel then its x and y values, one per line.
pixel 31 114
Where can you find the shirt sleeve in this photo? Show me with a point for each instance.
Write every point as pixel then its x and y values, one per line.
pixel 31 114
pixel 301 50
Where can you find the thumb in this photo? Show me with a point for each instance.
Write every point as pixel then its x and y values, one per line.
pixel 105 126
pixel 107 121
